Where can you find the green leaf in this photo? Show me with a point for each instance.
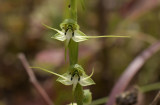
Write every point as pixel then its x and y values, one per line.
pixel 87 97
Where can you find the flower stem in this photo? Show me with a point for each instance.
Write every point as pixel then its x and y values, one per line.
pixel 73 52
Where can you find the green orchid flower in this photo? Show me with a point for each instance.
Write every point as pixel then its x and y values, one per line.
pixel 70 30
pixel 73 77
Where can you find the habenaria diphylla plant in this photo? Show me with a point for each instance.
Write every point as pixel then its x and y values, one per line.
pixel 71 35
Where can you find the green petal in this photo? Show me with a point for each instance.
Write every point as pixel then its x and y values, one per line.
pixel 59 37
pixel 50 72
pixel 90 75
pixel 109 36
pixel 65 81
pixel 79 36
pixel 86 80
pixel 60 32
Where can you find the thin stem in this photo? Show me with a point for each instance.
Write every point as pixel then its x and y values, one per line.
pixel 143 89
pixel 99 101
pixel 33 80
pixel 131 71
pixel 156 99
pixel 150 87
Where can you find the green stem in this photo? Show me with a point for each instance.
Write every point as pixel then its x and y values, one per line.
pixel 73 52
pixel 150 87
pixel 99 101
pixel 78 94
pixel 71 10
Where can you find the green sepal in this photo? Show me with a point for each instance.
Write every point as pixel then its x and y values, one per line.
pixel 71 22
pixel 78 67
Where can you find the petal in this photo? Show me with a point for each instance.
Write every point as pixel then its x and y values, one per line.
pixel 105 36
pixel 60 37
pixel 79 36
pixel 60 32
pixel 50 72
pixel 65 81
pixel 87 82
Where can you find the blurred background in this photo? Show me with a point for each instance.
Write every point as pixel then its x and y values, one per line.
pixel 21 31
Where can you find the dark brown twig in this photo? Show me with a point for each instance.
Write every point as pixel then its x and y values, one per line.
pixel 156 99
pixel 131 71
pixel 33 79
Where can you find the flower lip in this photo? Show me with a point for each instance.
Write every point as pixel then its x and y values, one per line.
pixel 69 27
pixel 74 74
